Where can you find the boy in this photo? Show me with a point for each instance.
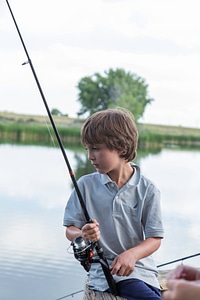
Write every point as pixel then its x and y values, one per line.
pixel 124 205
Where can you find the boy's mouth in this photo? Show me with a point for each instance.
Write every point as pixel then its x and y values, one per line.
pixel 95 166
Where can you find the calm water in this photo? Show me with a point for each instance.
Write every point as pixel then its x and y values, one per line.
pixel 34 187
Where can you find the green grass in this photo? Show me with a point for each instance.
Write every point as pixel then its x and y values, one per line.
pixel 38 130
pixel 169 135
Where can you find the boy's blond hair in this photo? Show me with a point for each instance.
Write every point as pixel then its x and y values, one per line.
pixel 113 127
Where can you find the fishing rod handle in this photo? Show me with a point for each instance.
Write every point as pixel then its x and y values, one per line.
pixel 105 266
pixel 106 269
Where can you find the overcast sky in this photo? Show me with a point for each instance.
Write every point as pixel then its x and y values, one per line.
pixel 159 40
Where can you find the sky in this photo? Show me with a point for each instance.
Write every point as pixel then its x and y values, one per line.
pixel 159 40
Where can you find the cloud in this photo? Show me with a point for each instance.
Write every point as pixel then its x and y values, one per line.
pixel 158 40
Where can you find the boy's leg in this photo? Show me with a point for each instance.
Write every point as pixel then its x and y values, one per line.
pixel 135 289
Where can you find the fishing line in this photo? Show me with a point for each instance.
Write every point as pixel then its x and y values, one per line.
pixel 158 266
pixel 71 172
pixel 79 252
pixel 49 131
pixel 99 250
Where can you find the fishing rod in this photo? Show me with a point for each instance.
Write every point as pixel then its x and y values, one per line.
pixel 177 260
pixel 70 295
pixel 158 266
pixel 99 250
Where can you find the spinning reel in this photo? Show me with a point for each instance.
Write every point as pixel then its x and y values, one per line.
pixel 84 252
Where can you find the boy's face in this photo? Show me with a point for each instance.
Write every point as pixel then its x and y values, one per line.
pixel 104 159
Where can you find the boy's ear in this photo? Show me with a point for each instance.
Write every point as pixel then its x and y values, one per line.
pixel 122 152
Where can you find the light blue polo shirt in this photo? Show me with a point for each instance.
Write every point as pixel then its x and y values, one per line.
pixel 126 217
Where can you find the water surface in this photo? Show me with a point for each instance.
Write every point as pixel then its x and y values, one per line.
pixel 34 188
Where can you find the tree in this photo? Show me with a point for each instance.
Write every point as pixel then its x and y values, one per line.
pixel 56 112
pixel 116 89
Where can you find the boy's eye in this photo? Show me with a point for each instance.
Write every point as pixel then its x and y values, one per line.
pixel 92 148
pixel 96 148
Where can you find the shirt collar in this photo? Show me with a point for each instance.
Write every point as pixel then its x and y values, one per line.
pixel 132 181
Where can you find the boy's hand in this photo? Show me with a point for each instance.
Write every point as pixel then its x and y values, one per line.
pixel 91 232
pixel 123 264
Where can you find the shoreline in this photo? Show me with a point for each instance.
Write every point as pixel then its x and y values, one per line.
pixel 23 127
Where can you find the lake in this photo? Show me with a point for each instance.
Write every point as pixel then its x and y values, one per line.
pixel 36 259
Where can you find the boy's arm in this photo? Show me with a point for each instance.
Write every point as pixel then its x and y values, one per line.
pixel 146 248
pixel 90 231
pixel 123 264
pixel 72 232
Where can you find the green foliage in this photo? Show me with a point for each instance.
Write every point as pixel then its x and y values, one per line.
pixel 115 89
pixel 38 134
pixel 150 136
pixel 56 112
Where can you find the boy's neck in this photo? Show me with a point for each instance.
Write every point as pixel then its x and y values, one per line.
pixel 121 176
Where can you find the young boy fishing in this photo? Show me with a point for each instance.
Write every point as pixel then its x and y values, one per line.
pixel 124 206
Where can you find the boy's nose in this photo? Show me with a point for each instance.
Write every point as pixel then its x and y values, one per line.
pixel 90 155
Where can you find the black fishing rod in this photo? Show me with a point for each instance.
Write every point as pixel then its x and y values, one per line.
pixel 158 266
pixel 99 250
pixel 177 260
pixel 70 295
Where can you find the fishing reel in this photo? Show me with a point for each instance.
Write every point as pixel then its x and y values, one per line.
pixel 83 252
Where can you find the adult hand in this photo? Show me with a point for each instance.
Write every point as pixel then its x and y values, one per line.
pixel 183 284
pixel 184 272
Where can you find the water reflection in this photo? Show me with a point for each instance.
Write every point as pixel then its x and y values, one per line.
pixel 84 166
pixel 176 172
pixel 34 187
pixel 33 191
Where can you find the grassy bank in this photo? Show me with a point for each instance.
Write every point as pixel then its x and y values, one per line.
pixel 169 135
pixel 38 129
